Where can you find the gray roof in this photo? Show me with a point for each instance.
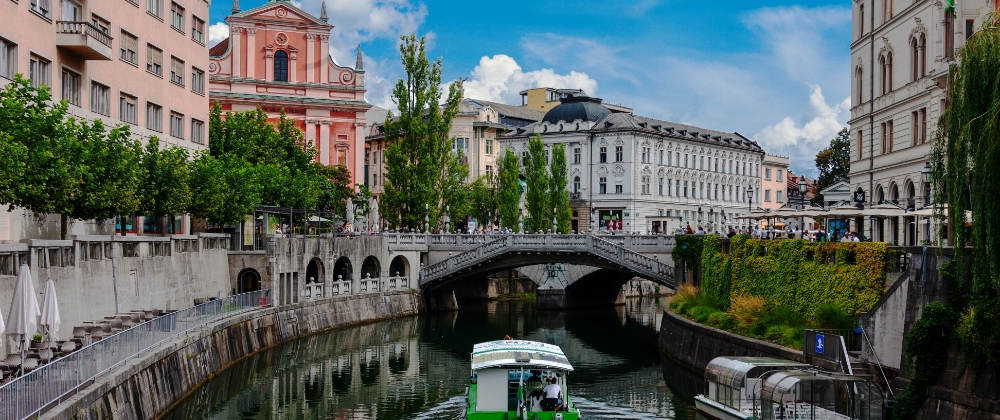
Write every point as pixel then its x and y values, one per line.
pixel 509 111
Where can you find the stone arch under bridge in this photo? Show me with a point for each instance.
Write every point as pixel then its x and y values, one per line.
pixel 611 266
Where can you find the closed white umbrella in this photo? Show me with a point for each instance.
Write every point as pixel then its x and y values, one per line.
pixel 48 322
pixel 22 320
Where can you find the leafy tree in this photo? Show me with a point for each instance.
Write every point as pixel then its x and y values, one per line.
pixel 420 169
pixel 224 190
pixel 113 172
pixel 834 163
pixel 165 188
pixel 12 166
pixel 538 201
pixel 508 194
pixel 455 192
pixel 362 201
pixel 483 200
pixel 334 188
pixel 558 189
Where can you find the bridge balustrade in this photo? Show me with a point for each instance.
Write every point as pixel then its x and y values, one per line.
pixel 398 283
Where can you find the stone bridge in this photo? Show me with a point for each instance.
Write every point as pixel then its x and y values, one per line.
pixel 570 270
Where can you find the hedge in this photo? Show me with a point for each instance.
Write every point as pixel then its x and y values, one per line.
pixel 794 273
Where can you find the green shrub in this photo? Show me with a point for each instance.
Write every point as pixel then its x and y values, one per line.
pixel 701 313
pixel 721 320
pixel 828 316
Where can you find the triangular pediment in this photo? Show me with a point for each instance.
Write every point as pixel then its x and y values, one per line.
pixel 281 11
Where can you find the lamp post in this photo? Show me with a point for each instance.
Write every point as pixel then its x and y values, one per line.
pixel 711 219
pixel 802 200
pixel 699 216
pixel 554 224
pixel 427 219
pixel 925 174
pixel 749 199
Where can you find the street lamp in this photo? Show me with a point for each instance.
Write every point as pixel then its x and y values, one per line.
pixel 711 218
pixel 699 215
pixel 427 220
pixel 926 175
pixel 749 198
pixel 802 201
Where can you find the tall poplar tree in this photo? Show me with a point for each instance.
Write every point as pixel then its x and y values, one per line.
pixel 508 191
pixel 538 201
pixel 558 189
pixel 420 168
pixel 165 187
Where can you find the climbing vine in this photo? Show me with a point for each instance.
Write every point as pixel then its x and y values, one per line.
pixel 926 355
pixel 689 248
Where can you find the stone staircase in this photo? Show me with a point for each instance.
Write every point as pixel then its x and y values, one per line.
pixel 858 368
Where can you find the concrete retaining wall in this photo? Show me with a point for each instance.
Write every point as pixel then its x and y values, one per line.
pixel 694 345
pixel 147 387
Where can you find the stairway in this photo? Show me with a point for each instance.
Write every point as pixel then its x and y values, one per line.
pixel 858 367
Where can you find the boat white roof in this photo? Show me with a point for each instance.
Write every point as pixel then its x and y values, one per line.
pixel 518 353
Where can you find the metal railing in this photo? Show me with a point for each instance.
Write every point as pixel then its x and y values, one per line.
pixel 852 337
pixel 46 386
pixel 86 28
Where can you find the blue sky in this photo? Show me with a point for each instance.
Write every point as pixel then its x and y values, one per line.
pixel 774 71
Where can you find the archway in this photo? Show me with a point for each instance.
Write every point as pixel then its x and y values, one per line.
pixel 342 270
pixel 314 272
pixel 247 280
pixel 370 268
pixel 399 267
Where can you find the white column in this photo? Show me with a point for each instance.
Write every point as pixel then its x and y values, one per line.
pixel 235 37
pixel 251 52
pixel 310 58
pixel 324 57
pixel 268 64
pixel 359 152
pixel 292 69
pixel 324 141
pixel 311 137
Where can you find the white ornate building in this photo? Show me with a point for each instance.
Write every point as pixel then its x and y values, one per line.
pixel 640 174
pixel 900 55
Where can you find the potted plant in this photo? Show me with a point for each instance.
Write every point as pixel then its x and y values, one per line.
pixel 36 341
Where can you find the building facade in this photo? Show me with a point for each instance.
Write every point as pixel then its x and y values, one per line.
pixel 277 58
pixel 900 58
pixel 142 63
pixel 639 174
pixel 773 182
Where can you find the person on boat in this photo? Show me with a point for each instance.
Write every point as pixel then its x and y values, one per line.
pixel 507 337
pixel 533 391
pixel 553 400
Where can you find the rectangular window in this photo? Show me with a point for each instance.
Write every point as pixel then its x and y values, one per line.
pixel 100 99
pixel 661 157
pixel 154 60
pixel 8 59
pixel 177 124
pixel 970 26
pixel 128 48
pixel 71 86
pixel 197 80
pixel 670 187
pixel 177 71
pixel 922 114
pixel 155 8
pixel 767 174
pixel 686 160
pixel 197 132
pixel 101 24
pixel 127 111
pixel 603 155
pixel 603 186
pixel 177 17
pixel 489 146
pixel 197 30
pixel 576 155
pixel 778 195
pixel 489 171
pixel 618 189
pixel 861 145
pixel 781 175
pixel 949 35
pixel 154 117
pixel 38 71
pixel 661 186
pixel 767 196
pixel 619 154
pixel 644 155
pixel 685 188
pixel 42 7
pixel 861 20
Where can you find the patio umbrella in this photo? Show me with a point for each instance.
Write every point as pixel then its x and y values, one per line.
pixel 23 316
pixel 48 323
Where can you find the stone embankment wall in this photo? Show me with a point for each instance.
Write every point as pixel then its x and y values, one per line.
pixel 147 387
pixel 694 345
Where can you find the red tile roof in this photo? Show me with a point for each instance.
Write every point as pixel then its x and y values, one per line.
pixel 219 48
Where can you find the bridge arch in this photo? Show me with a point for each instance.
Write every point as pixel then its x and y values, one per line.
pixel 248 280
pixel 371 268
pixel 315 272
pixel 399 266
pixel 342 269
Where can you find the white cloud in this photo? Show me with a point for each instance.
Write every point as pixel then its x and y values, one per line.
pixel 787 136
pixel 500 79
pixel 358 21
pixel 217 32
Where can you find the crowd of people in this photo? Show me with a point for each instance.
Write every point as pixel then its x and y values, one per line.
pixel 758 232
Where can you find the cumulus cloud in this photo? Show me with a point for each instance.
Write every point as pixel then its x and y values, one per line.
pixel 801 142
pixel 217 32
pixel 358 21
pixel 500 79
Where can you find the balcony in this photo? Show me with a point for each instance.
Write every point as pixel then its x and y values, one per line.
pixel 83 39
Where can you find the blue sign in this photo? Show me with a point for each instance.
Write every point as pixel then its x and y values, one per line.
pixel 820 343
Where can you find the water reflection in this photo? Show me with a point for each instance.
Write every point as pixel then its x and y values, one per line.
pixel 418 368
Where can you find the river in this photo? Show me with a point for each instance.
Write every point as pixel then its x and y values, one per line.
pixel 418 367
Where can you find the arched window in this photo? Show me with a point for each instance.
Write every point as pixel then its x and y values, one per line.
pixel 922 48
pixel 576 184
pixel 915 59
pixel 280 66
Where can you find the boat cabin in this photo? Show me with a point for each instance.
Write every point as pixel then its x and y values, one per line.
pixel 735 382
pixel 815 395
pixel 508 377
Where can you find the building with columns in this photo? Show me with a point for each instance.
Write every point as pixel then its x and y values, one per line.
pixel 900 57
pixel 277 58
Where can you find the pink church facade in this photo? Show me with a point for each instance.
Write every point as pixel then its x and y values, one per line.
pixel 277 58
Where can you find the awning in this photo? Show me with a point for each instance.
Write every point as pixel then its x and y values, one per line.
pixel 518 353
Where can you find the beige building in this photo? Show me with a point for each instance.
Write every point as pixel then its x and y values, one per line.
pixel 774 170
pixel 545 98
pixel 474 131
pixel 899 73
pixel 136 62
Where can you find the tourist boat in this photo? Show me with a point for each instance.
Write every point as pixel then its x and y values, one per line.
pixel 765 388
pixel 507 377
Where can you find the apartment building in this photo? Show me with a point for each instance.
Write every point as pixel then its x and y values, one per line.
pixel 772 185
pixel 137 62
